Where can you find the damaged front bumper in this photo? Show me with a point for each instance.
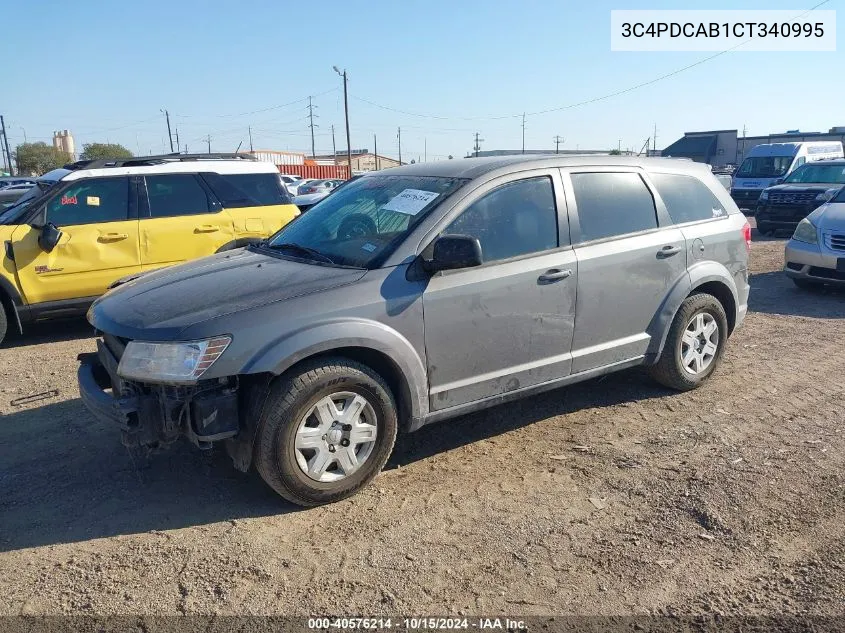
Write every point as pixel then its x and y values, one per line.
pixel 157 414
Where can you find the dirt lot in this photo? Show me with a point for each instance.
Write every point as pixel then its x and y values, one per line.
pixel 609 497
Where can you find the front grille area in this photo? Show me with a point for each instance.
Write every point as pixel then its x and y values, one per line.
pixel 791 198
pixel 116 344
pixel 835 241
pixel 827 273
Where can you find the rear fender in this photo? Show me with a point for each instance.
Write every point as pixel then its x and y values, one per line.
pixel 697 275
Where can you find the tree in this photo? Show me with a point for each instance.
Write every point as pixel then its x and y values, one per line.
pixel 450 157
pixel 103 151
pixel 615 152
pixel 38 158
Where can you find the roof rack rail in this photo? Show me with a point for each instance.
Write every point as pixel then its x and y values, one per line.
pixel 142 161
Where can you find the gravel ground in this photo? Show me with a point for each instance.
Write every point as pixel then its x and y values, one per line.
pixel 609 497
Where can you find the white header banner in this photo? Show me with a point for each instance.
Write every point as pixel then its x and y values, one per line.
pixel 706 30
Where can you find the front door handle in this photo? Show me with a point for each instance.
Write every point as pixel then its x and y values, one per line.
pixel 112 237
pixel 555 274
pixel 207 228
pixel 668 251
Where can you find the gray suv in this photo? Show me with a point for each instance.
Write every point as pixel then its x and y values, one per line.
pixel 416 295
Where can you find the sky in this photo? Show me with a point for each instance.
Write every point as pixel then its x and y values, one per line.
pixel 440 70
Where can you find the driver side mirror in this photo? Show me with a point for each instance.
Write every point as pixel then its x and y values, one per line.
pixel 776 181
pixel 455 251
pixel 49 237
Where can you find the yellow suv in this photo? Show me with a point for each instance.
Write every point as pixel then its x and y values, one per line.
pixel 85 226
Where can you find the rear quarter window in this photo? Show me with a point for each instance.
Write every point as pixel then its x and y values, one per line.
pixel 687 199
pixel 247 190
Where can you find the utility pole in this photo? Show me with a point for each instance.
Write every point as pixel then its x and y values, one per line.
pixel 208 140
pixel 558 141
pixel 523 132
pixel 24 134
pixel 177 139
pixel 311 125
pixel 399 134
pixel 375 149
pixel 186 148
pixel 169 135
pixel 346 112
pixel 425 149
pixel 251 149
pixel 334 147
pixel 6 146
pixel 619 146
pixel 477 147
pixel 654 141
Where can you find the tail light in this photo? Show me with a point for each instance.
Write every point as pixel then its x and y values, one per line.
pixel 746 234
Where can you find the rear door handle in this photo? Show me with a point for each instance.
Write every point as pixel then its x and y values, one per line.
pixel 207 228
pixel 112 237
pixel 555 274
pixel 668 251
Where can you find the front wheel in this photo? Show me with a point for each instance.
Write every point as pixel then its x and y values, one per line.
pixel 695 344
pixel 326 431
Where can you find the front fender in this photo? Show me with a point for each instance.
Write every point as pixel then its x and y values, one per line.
pixel 697 275
pixel 281 354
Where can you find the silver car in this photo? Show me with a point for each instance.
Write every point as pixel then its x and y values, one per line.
pixel 416 295
pixel 815 256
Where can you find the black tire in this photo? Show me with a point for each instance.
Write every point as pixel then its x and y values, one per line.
pixel 290 399
pixel 805 284
pixel 4 322
pixel 669 369
pixel 764 228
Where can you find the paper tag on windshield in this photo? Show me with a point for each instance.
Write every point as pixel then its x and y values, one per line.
pixel 93 201
pixel 410 201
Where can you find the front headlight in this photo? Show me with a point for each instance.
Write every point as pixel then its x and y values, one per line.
pixel 806 232
pixel 170 362
pixel 764 196
pixel 826 196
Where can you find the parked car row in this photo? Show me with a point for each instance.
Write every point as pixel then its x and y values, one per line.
pixel 12 188
pixel 402 299
pixel 82 228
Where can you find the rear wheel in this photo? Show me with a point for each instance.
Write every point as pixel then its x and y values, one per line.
pixel 326 431
pixel 764 228
pixel 695 344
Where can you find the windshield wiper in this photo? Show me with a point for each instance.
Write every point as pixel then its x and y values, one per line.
pixel 303 249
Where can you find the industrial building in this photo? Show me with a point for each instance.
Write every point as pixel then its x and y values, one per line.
pixel 727 147
pixel 362 160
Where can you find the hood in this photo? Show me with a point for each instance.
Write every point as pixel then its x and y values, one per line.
pixel 829 217
pixel 804 187
pixel 160 304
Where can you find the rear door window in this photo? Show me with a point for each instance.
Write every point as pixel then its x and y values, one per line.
pixel 612 204
pixel 176 194
pixel 687 199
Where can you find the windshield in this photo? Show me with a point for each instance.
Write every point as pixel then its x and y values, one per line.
pixel 764 167
pixel 818 173
pixel 362 221
pixel 13 212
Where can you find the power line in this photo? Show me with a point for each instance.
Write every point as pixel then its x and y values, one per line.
pixel 586 101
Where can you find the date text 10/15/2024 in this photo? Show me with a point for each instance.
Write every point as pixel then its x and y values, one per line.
pixel 415 624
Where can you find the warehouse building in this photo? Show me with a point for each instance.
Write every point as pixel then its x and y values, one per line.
pixel 726 147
